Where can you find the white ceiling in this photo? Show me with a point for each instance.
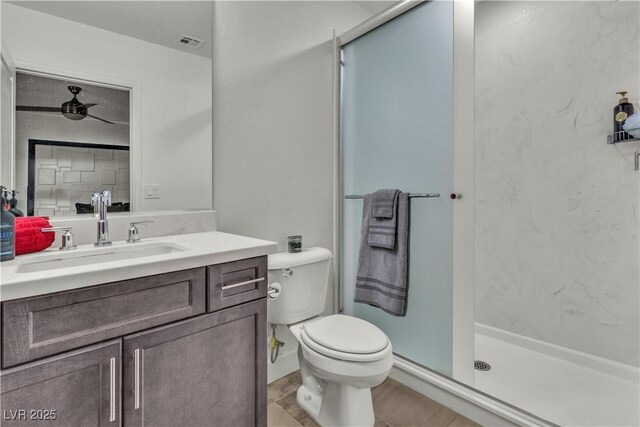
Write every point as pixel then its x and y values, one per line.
pixel 160 22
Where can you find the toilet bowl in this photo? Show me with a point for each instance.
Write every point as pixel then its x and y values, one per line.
pixel 338 372
pixel 341 357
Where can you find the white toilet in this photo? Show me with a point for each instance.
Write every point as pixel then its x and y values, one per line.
pixel 341 357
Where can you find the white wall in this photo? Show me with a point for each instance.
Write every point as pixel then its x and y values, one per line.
pixel 273 123
pixel 30 125
pixel 175 99
pixel 556 207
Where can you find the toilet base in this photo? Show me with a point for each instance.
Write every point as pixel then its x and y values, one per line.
pixel 340 405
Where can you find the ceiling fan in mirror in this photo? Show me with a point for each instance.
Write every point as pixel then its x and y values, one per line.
pixel 72 110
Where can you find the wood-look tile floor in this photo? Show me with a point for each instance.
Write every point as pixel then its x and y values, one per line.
pixel 394 404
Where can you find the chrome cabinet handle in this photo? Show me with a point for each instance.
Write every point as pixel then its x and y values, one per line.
pixel 237 285
pixel 136 373
pixel 112 389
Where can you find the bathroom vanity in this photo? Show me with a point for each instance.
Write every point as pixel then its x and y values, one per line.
pixel 109 343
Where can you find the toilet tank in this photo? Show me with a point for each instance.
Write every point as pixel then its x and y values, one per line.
pixel 304 280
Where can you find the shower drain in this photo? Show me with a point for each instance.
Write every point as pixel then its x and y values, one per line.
pixel 481 366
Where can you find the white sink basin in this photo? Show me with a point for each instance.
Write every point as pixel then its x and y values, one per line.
pixel 95 256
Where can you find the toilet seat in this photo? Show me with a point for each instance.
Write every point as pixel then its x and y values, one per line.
pixel 345 338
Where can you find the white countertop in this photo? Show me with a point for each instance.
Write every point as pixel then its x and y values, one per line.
pixel 197 250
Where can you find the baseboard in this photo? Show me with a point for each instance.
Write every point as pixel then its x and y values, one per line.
pixel 600 364
pixel 472 404
pixel 286 364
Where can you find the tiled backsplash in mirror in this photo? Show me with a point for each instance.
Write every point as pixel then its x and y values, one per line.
pixel 64 176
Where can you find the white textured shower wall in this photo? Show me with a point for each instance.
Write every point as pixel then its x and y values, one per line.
pixel 556 207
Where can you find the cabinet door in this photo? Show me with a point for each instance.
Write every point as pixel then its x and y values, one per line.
pixel 206 371
pixel 79 388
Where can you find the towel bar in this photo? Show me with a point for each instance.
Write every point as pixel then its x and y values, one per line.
pixel 425 195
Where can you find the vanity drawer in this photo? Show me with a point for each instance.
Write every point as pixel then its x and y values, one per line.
pixel 236 282
pixel 41 326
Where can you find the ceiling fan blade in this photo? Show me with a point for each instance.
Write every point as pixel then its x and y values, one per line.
pixel 88 105
pixel 33 108
pixel 102 120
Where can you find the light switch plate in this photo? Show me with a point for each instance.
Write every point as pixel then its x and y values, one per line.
pixel 152 191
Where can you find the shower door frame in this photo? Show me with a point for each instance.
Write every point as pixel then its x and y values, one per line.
pixel 463 175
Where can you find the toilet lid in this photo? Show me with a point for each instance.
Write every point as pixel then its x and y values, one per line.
pixel 347 334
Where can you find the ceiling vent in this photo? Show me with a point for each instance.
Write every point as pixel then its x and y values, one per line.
pixel 189 42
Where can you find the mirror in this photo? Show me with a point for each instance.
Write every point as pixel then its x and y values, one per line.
pixel 142 127
pixel 86 150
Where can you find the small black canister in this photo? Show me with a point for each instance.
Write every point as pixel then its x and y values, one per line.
pixel 620 113
pixel 295 244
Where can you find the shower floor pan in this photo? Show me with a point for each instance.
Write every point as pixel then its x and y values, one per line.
pixel 560 385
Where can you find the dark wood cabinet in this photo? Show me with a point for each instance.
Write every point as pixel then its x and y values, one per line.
pixel 179 365
pixel 78 388
pixel 205 371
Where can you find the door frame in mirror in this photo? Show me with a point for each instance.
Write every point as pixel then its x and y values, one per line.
pixel 135 129
pixel 8 65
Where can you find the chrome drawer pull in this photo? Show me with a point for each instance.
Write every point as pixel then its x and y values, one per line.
pixel 237 285
pixel 136 374
pixel 112 389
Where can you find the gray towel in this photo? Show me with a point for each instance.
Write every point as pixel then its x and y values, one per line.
pixel 383 221
pixel 384 203
pixel 383 274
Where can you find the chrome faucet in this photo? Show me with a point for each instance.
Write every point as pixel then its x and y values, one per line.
pixel 100 201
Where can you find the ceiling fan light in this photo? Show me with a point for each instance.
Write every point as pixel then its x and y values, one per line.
pixel 73 116
pixel 71 111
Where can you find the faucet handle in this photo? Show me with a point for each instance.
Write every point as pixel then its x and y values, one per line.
pixel 67 237
pixel 106 197
pixel 133 231
pixel 101 197
pixel 95 202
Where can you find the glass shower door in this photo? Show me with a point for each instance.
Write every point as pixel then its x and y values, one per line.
pixel 397 132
